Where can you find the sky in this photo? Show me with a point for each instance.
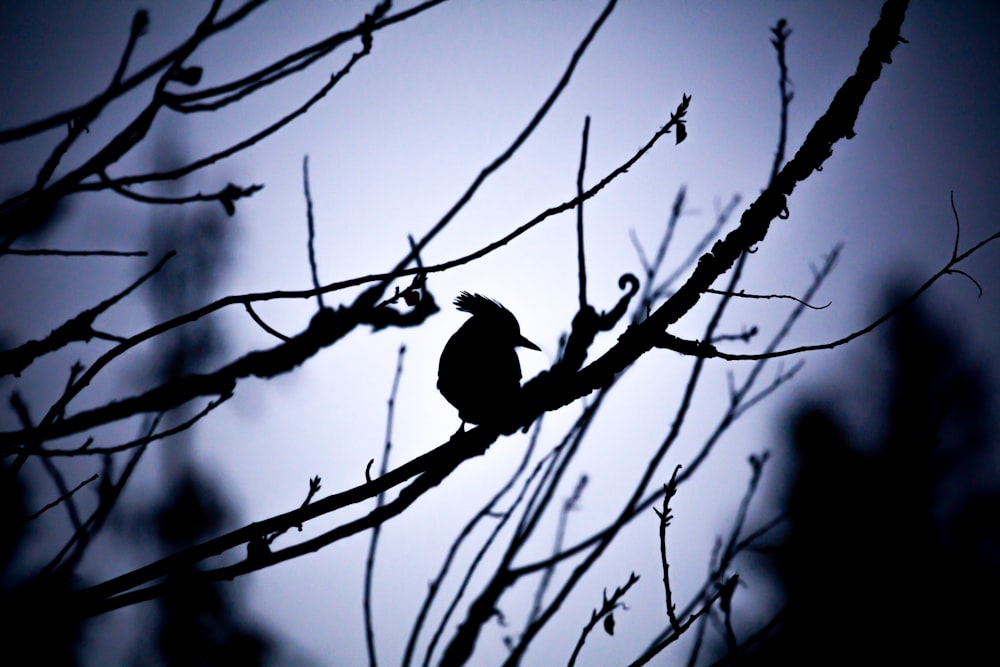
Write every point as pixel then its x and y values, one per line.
pixel 396 144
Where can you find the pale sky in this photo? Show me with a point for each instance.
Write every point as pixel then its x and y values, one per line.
pixel 394 145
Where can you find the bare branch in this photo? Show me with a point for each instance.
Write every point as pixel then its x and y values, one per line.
pixel 60 499
pixel 514 146
pixel 379 501
pixel 310 224
pixel 707 350
pixel 743 295
pixel 264 325
pixel 580 256
pixel 80 328
pixel 50 252
pixel 608 605
pixel 669 489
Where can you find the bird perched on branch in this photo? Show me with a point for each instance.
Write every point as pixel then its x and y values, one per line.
pixel 479 372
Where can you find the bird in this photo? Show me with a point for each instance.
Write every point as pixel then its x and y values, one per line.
pixel 479 372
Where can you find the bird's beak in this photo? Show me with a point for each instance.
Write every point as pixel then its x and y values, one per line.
pixel 524 342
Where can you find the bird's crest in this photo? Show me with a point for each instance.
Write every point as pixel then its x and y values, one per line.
pixel 477 304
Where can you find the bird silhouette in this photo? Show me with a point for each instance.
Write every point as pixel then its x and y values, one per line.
pixel 479 372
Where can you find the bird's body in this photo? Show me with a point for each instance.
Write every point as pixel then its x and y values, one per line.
pixel 479 372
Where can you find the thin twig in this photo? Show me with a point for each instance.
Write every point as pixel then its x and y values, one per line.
pixel 233 91
pixel 512 148
pixel 608 605
pixel 137 79
pixel 88 450
pixel 51 252
pixel 178 172
pixel 569 505
pixel 655 650
pixel 108 495
pixel 379 501
pixel 227 196
pixel 264 325
pixel 311 244
pixel 580 256
pixel 743 295
pixel 781 33
pixel 57 501
pixel 697 250
pixel 664 515
pixel 79 328
pixel 710 351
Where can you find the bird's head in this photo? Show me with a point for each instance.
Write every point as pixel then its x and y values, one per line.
pixel 499 319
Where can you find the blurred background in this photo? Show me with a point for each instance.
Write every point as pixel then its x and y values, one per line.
pixel 390 150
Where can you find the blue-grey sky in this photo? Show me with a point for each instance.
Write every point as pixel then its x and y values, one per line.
pixel 398 141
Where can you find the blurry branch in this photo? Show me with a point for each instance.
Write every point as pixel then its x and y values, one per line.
pixel 608 605
pixel 60 499
pixel 654 292
pixel 79 124
pixel 651 268
pixel 781 32
pixel 121 86
pixel 665 287
pixel 108 494
pixel 724 555
pixel 325 329
pixel 763 633
pixel 570 504
pixel 78 329
pixel 48 252
pixel 88 449
pixel 311 228
pixel 20 409
pixel 379 501
pixel 733 545
pixel 16 213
